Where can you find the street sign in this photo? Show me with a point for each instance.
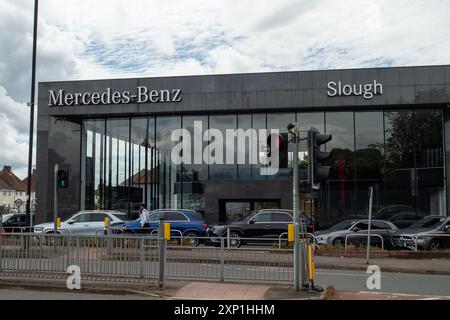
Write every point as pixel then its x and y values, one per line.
pixel 18 203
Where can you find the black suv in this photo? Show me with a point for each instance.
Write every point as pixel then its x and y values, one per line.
pixel 258 226
pixel 15 222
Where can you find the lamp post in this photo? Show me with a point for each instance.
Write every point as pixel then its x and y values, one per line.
pixel 294 129
pixel 32 102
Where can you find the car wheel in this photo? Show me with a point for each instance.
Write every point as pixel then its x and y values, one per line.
pixel 339 242
pixel 235 240
pixel 435 245
pixel 192 238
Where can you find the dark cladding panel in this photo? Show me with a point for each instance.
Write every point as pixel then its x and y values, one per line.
pixel 421 76
pixel 406 76
pixel 437 75
pixel 391 76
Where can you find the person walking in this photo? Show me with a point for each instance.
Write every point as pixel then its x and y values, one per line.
pixel 143 218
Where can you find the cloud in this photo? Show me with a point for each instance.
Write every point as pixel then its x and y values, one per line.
pixel 84 39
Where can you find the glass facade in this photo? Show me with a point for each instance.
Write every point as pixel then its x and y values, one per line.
pixel 127 161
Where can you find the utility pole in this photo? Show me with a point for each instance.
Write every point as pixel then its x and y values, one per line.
pixel 298 255
pixel 32 102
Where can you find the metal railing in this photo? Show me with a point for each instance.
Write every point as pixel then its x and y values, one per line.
pixel 137 258
pixel 355 235
pixel 49 255
pixel 309 236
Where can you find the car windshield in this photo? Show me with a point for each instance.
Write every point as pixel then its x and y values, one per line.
pixel 6 217
pixel 343 225
pixel 428 222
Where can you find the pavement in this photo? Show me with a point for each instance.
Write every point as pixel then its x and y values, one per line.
pixel 416 266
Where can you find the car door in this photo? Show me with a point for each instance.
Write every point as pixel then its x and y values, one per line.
pixel 79 224
pixel 280 221
pixel 178 221
pixel 384 230
pixel 96 223
pixel 361 229
pixel 260 225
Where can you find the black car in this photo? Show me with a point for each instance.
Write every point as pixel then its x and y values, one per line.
pixel 258 226
pixel 15 222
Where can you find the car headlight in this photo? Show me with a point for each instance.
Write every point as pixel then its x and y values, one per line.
pixel 322 238
pixel 38 229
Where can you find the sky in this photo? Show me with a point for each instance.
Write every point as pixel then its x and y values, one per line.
pixel 85 39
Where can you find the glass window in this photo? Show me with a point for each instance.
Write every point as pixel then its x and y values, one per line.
pixel 249 148
pixel 281 217
pixel 119 190
pixel 194 172
pixel 221 148
pixel 174 216
pixel 280 121
pixel 361 226
pixel 429 157
pixel 259 122
pixel 97 217
pixel 378 225
pixel 84 217
pixel 167 170
pixel 263 217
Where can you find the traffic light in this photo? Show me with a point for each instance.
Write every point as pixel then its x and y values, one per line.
pixel 317 172
pixel 281 145
pixel 63 179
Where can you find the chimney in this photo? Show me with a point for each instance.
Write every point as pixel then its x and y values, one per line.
pixel 7 169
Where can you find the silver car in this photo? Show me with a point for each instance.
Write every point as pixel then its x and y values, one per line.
pixel 83 222
pixel 336 234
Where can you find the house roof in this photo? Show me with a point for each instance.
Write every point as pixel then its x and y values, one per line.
pixel 11 180
pixel 33 181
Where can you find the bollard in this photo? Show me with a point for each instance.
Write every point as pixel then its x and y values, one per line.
pixel 311 266
pixel 162 253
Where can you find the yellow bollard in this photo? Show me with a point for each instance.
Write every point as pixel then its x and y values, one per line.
pixel 290 232
pixel 106 223
pixel 58 223
pixel 311 265
pixel 167 231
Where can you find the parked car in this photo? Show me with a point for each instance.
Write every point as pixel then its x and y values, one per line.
pixel 432 233
pixel 262 225
pixel 188 223
pixel 405 219
pixel 15 222
pixel 83 222
pixel 336 234
pixel 327 226
pixel 387 212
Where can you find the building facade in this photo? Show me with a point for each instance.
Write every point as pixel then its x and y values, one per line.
pixel 390 128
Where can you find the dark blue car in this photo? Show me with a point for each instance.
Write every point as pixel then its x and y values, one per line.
pixel 188 223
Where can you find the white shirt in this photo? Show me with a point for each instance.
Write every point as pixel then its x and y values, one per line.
pixel 143 217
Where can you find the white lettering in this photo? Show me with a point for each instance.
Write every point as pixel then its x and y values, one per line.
pixel 367 91
pixel 142 94
pixel 176 95
pixel 55 101
pixel 154 96
pixel 95 98
pixel 332 87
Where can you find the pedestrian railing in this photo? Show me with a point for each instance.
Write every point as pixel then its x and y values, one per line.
pixel 134 258
pixel 359 235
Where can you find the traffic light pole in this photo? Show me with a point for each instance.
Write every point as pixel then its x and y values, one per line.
pixel 298 271
pixel 55 200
